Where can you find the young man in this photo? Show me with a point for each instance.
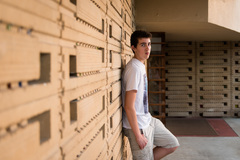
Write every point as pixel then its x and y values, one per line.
pixel 143 131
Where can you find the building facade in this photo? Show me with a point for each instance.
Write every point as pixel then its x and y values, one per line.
pixel 61 63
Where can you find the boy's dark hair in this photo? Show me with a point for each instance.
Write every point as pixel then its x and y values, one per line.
pixel 139 34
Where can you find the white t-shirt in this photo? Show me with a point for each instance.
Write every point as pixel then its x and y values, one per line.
pixel 134 78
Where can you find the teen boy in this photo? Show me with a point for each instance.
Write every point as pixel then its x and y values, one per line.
pixel 143 131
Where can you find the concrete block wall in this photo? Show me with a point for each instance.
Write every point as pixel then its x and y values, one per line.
pixel 60 71
pixel 214 84
pixel 202 79
pixel 180 78
pixel 235 78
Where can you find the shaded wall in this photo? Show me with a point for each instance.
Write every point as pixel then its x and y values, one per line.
pixel 187 20
pixel 229 11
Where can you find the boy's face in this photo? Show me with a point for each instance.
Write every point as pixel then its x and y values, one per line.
pixel 143 49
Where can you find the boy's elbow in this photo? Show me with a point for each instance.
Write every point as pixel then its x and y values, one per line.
pixel 129 109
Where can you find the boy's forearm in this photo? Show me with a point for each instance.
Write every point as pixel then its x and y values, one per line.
pixel 132 119
pixel 129 107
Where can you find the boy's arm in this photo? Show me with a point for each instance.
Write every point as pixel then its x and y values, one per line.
pixel 129 107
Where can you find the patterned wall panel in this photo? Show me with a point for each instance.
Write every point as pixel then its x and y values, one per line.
pixel 213 80
pixel 180 79
pixel 235 78
pixel 60 78
pixel 202 78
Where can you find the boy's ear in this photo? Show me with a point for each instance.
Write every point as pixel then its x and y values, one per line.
pixel 133 48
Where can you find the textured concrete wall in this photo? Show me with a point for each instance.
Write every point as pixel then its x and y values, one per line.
pixel 60 70
pixel 202 79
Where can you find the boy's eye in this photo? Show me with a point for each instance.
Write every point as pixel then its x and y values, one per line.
pixel 145 44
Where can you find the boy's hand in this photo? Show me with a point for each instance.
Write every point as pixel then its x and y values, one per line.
pixel 141 141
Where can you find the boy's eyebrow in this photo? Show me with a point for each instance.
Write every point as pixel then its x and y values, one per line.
pixel 145 43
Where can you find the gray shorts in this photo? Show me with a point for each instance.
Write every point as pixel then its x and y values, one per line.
pixel 157 135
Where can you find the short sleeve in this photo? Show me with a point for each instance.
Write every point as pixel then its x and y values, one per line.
pixel 131 79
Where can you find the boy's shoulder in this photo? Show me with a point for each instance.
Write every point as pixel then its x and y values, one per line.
pixel 132 65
